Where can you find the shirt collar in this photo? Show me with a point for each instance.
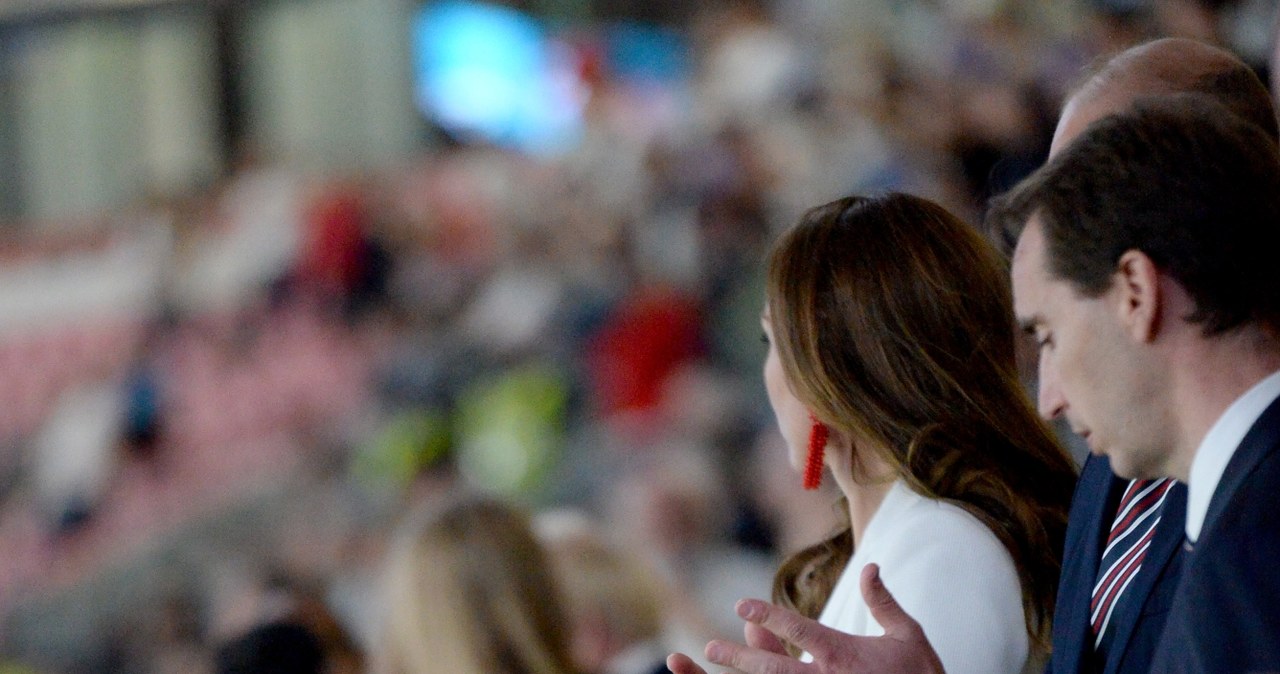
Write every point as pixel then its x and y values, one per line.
pixel 1220 444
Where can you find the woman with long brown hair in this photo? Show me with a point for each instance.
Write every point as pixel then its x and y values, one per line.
pixel 891 365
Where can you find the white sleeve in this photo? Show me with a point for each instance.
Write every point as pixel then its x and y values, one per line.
pixel 952 574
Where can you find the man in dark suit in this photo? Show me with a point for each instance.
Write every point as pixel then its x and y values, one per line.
pixel 1145 271
pixel 1135 621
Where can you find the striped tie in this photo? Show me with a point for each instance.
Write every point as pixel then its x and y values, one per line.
pixel 1131 534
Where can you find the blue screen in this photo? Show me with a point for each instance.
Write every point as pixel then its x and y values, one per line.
pixel 493 73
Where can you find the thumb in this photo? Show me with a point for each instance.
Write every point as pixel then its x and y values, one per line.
pixel 884 608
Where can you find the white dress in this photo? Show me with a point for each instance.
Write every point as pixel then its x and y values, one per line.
pixel 950 573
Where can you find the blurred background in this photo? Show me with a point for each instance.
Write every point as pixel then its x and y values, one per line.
pixel 272 272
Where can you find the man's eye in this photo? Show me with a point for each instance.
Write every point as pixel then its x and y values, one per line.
pixel 764 338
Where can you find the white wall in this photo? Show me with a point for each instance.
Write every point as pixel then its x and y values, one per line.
pixel 329 84
pixel 108 109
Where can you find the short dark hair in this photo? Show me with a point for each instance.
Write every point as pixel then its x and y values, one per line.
pixel 1179 178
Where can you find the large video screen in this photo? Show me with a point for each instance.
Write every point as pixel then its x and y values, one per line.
pixel 494 74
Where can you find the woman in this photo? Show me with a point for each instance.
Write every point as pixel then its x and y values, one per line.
pixel 470 591
pixel 891 364
pixel 615 599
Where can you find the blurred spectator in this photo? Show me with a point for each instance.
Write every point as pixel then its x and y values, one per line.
pixel 334 227
pixel 509 428
pixel 342 258
pixel 673 507
pixel 146 403
pixel 797 518
pixel 650 335
pixel 469 590
pixel 272 648
pixel 268 619
pixel 616 602
pixel 749 65
pixel 75 454
pixel 1196 19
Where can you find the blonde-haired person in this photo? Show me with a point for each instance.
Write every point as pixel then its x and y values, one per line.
pixel 891 366
pixel 617 603
pixel 469 590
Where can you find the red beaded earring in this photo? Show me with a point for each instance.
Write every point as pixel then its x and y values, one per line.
pixel 817 446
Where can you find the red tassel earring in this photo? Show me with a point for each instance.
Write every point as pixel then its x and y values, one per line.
pixel 817 446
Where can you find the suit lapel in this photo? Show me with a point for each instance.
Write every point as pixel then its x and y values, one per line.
pixel 1165 545
pixel 1095 503
pixel 1262 438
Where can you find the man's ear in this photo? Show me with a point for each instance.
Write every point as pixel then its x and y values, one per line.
pixel 1136 287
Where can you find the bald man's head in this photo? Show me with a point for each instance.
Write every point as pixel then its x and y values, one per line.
pixel 1167 66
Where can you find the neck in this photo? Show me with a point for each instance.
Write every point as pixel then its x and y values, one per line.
pixel 864 485
pixel 1219 371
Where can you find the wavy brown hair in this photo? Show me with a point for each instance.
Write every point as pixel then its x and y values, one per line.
pixel 893 322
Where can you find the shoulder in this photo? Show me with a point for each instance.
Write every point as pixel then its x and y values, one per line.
pixel 951 573
pixel 927 544
pixel 1247 518
pixel 925 524
pixel 1229 587
pixel 1243 516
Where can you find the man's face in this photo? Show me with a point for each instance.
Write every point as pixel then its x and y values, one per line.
pixel 1091 372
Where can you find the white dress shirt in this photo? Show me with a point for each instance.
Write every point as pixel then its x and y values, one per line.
pixel 1220 444
pixel 950 573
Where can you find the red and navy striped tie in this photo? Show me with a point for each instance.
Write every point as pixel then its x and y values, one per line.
pixel 1131 533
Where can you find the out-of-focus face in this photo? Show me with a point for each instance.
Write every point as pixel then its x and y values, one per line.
pixel 1091 372
pixel 793 417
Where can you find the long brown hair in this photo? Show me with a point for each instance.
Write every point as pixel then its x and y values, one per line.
pixel 893 322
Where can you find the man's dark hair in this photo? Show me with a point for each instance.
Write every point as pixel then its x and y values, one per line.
pixel 1179 178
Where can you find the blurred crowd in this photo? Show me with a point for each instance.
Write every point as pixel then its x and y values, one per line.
pixel 250 387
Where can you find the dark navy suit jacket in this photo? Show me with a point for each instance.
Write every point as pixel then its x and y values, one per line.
pixel 1226 617
pixel 1139 618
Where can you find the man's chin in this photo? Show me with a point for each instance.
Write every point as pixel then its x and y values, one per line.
pixel 1124 467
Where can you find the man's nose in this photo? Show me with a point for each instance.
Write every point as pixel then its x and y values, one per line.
pixel 1050 400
